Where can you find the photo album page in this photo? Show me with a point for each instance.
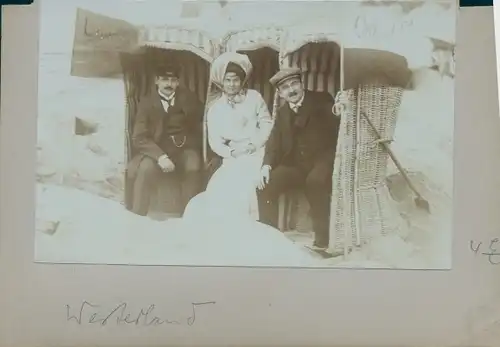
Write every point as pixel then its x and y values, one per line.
pixel 233 173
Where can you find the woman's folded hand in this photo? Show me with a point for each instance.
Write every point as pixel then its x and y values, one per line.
pixel 240 148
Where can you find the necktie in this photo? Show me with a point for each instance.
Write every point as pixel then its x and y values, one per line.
pixel 168 102
pixel 165 99
pixel 295 107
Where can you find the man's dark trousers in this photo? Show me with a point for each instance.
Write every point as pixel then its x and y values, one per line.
pixel 187 173
pixel 315 182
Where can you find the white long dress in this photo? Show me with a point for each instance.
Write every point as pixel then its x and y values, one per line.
pixel 223 219
pixel 231 192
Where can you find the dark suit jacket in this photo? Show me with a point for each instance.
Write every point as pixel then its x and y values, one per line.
pixel 185 118
pixel 319 119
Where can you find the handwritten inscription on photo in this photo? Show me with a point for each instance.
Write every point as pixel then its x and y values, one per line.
pixel 94 314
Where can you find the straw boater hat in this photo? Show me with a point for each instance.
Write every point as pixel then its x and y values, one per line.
pixel 284 75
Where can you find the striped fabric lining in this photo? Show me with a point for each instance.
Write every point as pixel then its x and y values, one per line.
pixel 194 73
pixel 252 39
pixel 265 64
pixel 179 39
pixel 319 62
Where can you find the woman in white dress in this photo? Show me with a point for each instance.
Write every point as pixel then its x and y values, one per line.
pixel 223 219
pixel 239 124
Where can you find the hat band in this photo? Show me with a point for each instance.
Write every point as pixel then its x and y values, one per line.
pixel 168 74
pixel 288 78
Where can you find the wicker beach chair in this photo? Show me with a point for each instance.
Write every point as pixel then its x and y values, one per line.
pixel 361 205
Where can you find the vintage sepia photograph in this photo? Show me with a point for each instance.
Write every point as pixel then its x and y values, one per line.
pixel 315 134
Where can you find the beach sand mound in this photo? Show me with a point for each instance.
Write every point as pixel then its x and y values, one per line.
pixel 92 229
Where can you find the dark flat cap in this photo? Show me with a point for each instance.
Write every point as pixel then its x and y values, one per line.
pixel 284 74
pixel 168 70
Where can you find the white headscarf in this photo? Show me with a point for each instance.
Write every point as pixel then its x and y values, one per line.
pixel 219 66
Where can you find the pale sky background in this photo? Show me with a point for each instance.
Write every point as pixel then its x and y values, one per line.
pixel 58 17
pixel 58 20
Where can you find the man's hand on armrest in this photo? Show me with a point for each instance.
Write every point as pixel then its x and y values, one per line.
pixel 165 163
pixel 265 174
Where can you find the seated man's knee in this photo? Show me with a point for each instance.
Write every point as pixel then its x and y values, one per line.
pixel 192 161
pixel 148 167
pixel 282 180
pixel 318 180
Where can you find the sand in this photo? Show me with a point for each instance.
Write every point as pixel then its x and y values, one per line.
pixel 97 230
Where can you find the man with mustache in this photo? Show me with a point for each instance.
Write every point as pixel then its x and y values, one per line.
pixel 300 153
pixel 167 140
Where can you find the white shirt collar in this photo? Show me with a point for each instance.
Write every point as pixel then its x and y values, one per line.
pixel 169 98
pixel 295 106
pixel 235 99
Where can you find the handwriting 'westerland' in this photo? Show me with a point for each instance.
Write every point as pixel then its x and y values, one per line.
pixel 89 313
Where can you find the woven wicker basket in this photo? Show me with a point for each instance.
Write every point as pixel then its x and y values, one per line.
pixel 361 205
